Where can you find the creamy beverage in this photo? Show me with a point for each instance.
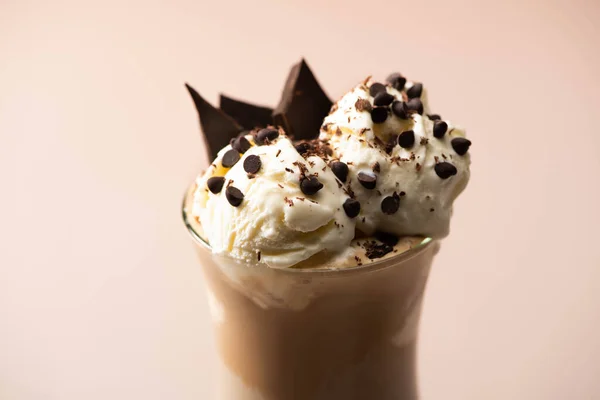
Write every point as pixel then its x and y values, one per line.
pixel 315 226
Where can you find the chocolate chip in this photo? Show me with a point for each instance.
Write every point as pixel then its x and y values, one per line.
pixel 439 129
pixel 415 91
pixel 266 134
pixel 461 145
pixel 434 117
pixel 367 180
pixel 396 80
pixel 234 196
pixel 310 185
pixel 390 204
pixel 445 170
pixel 363 105
pixel 230 158
pixel 215 184
pixel 376 88
pixel 383 99
pixel 415 105
pixel 379 114
pixel 340 170
pixel 399 109
pixel 241 144
pixel 303 148
pixel 252 164
pixel 374 251
pixel 406 140
pixel 387 238
pixel 351 207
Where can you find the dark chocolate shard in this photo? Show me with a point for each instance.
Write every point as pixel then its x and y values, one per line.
pixel 217 127
pixel 303 104
pixel 249 116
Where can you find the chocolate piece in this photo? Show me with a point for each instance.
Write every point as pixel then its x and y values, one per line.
pixel 390 204
pixel 415 105
pixel 387 238
pixel 241 144
pixel 376 167
pixel 303 104
pixel 310 185
pixel 266 134
pixel 376 88
pixel 367 180
pixel 439 129
pixel 215 184
pixel 399 109
pixel 396 80
pixel 249 116
pixel 363 105
pixel 415 91
pixel 445 170
pixel 217 127
pixel 379 114
pixel 406 140
pixel 351 208
pixel 434 117
pixel 252 164
pixel 389 146
pixel 230 158
pixel 234 196
pixel 303 148
pixel 461 145
pixel 340 170
pixel 383 99
pixel 377 250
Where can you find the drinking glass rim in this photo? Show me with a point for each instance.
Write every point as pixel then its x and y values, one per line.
pixel 383 263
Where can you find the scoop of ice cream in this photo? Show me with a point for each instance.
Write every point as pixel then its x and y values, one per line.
pixel 261 200
pixel 406 167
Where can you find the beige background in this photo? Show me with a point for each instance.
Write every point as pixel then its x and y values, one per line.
pixel 100 294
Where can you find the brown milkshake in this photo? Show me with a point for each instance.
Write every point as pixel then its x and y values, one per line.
pixel 315 226
pixel 317 334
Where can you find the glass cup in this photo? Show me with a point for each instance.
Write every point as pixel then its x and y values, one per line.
pixel 306 334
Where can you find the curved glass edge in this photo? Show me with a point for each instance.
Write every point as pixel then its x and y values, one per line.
pixel 384 263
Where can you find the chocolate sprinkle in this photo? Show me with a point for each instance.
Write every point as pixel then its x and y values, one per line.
pixel 363 105
pixel 379 114
pixel 439 129
pixel 303 104
pixel 351 208
pixel 396 80
pixel 230 158
pixel 215 184
pixel 252 164
pixel 241 144
pixel 376 88
pixel 217 127
pixel 399 109
pixel 406 139
pixel 445 170
pixel 461 145
pixel 367 180
pixel 310 185
pixel 340 170
pixel 415 105
pixel 247 115
pixel 234 196
pixel 266 134
pixel 303 148
pixel 383 99
pixel 415 91
pixel 434 117
pixel 390 204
